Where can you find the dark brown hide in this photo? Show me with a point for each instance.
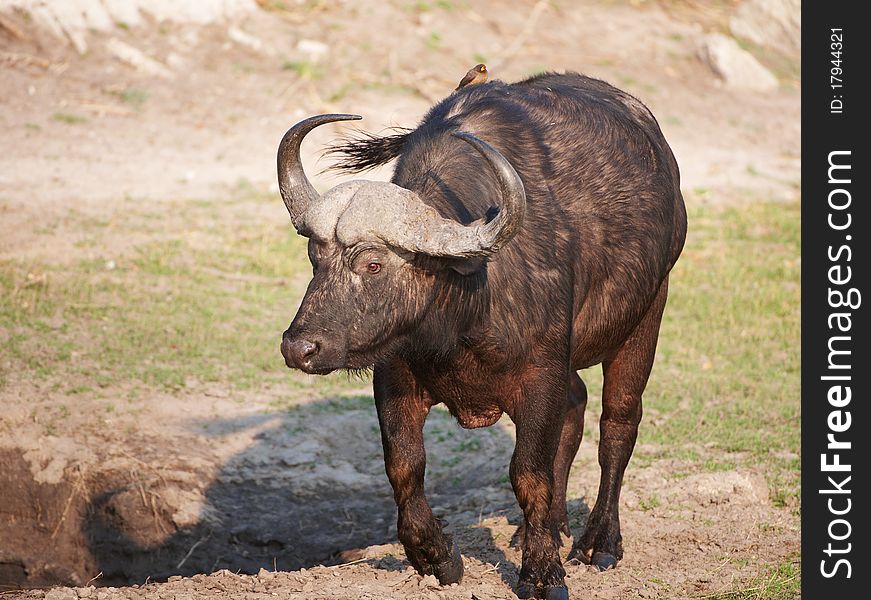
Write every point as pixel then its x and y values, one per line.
pixel 583 282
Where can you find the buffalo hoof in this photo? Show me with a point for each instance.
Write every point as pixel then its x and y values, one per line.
pixel 577 556
pixel 525 590
pixel 450 571
pixel 556 592
pixel 548 592
pixel 603 561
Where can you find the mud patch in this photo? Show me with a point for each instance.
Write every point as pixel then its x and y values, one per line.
pixel 40 525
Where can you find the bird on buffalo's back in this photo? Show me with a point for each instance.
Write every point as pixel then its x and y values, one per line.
pixel 475 75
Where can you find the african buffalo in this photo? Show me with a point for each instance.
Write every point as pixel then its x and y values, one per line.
pixel 528 232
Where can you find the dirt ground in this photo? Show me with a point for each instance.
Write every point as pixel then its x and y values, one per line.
pixel 207 492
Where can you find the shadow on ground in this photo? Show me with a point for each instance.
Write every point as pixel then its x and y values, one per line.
pixel 308 488
pixel 311 488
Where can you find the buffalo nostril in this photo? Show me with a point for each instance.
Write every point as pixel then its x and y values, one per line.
pixel 297 352
pixel 304 348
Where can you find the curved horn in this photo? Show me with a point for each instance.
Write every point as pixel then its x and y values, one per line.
pixel 508 222
pixel 296 191
pixel 397 216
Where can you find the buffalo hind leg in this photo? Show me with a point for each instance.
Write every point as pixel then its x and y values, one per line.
pixel 570 441
pixel 402 409
pixel 532 477
pixel 625 377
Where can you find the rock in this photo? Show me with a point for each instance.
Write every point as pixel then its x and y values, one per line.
pixel 428 581
pixel 774 24
pixel 244 38
pixel 729 487
pixel 339 473
pixel 737 67
pixel 314 49
pixel 48 460
pixel 73 19
pixel 295 454
pixel 85 592
pixel 380 550
pixel 176 61
pixel 187 506
pixel 137 59
pixel 61 593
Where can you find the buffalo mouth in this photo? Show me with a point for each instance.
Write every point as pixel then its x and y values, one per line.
pixel 310 370
pixel 311 367
pixel 316 357
pixel 318 367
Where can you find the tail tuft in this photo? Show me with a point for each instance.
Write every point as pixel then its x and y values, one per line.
pixel 369 151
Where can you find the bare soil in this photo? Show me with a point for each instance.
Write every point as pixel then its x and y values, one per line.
pixel 209 492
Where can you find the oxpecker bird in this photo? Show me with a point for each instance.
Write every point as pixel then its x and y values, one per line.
pixel 477 74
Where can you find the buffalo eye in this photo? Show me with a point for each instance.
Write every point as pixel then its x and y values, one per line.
pixel 373 268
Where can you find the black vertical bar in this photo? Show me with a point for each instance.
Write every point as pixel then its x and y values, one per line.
pixel 835 232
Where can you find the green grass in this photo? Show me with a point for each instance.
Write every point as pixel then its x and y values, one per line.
pixel 726 377
pixel 341 92
pixel 649 503
pixel 780 582
pixel 166 313
pixel 305 69
pixel 274 5
pixel 787 69
pixel 208 298
pixel 633 83
pixel 421 6
pixel 135 97
pixel 68 118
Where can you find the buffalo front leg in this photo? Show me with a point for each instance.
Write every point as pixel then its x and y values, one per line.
pixel 570 441
pixel 539 420
pixel 402 409
pixel 625 377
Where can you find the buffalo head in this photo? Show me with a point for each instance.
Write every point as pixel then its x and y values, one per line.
pixel 379 254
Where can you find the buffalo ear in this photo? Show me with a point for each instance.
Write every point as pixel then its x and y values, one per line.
pixel 464 266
